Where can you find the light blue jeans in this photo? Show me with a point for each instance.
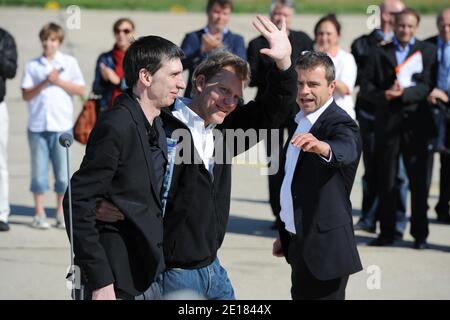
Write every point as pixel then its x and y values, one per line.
pixel 44 147
pixel 210 282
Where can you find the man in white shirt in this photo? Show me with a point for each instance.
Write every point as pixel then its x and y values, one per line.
pixel 316 235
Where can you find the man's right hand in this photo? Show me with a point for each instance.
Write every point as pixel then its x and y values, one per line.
pixel 277 249
pixel 280 46
pixel 107 212
pixel 437 94
pixel 105 293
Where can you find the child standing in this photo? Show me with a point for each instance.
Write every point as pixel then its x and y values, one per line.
pixel 48 84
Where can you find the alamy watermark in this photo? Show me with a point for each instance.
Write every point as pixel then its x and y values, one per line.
pixel 73 21
pixel 373 282
pixel 229 143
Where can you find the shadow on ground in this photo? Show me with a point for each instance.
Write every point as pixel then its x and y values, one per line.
pixel 18 210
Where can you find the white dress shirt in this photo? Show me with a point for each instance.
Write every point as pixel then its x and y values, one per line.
pixel 52 109
pixel 305 124
pixel 203 136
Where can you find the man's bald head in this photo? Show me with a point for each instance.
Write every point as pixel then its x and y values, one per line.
pixel 443 24
pixel 388 9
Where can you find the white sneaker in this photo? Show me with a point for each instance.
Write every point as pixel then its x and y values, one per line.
pixel 60 224
pixel 40 222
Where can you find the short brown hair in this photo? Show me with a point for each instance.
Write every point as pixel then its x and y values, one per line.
pixel 409 11
pixel 51 29
pixel 122 20
pixel 218 60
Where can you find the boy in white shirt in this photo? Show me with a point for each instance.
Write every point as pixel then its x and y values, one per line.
pixel 48 84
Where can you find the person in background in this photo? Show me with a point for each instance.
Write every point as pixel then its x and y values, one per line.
pixel 49 82
pixel 362 48
pixel 109 79
pixel 440 95
pixel 8 68
pixel 403 124
pixel 198 44
pixel 260 66
pixel 327 32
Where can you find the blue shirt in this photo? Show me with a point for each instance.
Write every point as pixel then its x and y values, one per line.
pixel 402 52
pixel 443 80
pixel 385 36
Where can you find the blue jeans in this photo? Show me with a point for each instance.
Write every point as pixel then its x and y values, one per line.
pixel 210 282
pixel 44 146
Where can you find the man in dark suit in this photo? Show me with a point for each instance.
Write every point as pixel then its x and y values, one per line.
pixel 362 48
pixel 198 44
pixel 403 124
pixel 318 171
pixel 260 66
pixel 440 101
pixel 125 162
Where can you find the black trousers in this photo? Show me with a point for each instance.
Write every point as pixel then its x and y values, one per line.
pixel 442 207
pixel 406 134
pixel 370 202
pixel 307 287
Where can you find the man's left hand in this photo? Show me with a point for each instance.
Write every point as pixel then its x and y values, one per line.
pixel 308 143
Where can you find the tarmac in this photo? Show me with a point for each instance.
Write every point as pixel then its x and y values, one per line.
pixel 33 262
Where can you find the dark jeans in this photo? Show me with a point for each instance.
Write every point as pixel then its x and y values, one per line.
pixel 370 203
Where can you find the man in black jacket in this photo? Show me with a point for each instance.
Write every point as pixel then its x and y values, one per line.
pixel 362 48
pixel 125 163
pixel 403 124
pixel 260 66
pixel 318 169
pixel 201 136
pixel 439 99
pixel 8 68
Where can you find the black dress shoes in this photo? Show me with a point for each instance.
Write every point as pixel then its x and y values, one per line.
pixel 420 244
pixel 444 218
pixel 4 226
pixel 381 242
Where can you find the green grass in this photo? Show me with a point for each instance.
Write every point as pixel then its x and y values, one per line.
pixel 247 6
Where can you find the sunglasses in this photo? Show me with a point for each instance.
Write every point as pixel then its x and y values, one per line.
pixel 125 31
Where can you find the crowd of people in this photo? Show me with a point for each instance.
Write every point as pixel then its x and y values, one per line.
pixel 146 225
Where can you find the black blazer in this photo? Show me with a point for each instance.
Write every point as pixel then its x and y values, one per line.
pixel 390 115
pixel 380 76
pixel 118 167
pixel 321 198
